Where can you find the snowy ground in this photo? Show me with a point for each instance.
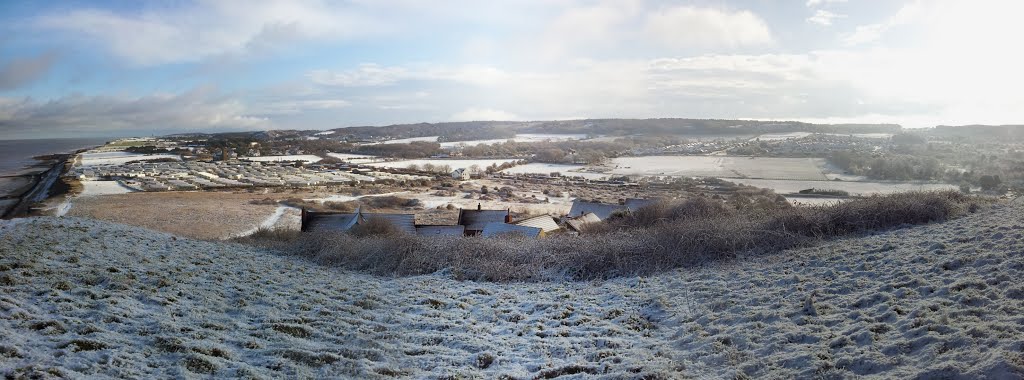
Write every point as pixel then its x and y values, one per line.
pixel 81 298
pixel 90 189
pixel 355 158
pixel 284 217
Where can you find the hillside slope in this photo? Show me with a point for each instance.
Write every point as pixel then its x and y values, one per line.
pixel 81 298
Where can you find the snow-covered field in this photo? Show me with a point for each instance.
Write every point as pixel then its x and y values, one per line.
pixel 542 168
pixel 720 166
pixel 294 157
pixel 82 298
pixel 453 163
pixel 854 188
pixel 92 188
pixel 408 140
pixel 522 137
pixel 117 158
pixel 355 158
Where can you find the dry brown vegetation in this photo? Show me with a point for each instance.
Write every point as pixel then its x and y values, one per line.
pixel 658 237
pixel 202 215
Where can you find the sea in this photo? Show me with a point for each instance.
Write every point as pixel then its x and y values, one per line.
pixel 17 154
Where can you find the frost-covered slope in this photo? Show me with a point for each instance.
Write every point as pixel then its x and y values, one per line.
pixel 81 298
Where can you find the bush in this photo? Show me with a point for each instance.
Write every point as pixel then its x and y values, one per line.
pixel 375 227
pixel 658 237
pixel 389 202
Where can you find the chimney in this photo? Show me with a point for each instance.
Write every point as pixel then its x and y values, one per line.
pixel 302 225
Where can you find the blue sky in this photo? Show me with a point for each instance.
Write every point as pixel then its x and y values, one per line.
pixel 82 68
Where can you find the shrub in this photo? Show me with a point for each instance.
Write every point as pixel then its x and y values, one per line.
pixel 375 227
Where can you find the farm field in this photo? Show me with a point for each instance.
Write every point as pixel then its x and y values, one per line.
pixel 355 158
pixel 522 137
pixel 200 215
pixel 406 141
pixel 542 168
pixel 453 163
pixel 854 188
pixel 720 166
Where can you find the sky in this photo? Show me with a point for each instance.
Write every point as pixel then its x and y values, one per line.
pixel 117 68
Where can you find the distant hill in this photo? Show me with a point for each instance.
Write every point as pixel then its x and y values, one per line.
pixel 485 130
pixel 999 132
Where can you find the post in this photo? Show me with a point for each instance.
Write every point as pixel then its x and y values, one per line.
pixel 302 219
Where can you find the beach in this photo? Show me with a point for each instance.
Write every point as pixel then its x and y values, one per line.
pixel 30 168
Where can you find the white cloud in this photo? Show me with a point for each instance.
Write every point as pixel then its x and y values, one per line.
pixel 815 3
pixel 823 17
pixel 594 29
pixel 683 27
pixel 18 72
pixel 209 28
pixel 864 34
pixel 294 107
pixel 365 75
pixel 482 114
pixel 199 109
pixel 371 75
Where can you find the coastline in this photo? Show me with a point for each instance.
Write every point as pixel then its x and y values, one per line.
pixel 33 184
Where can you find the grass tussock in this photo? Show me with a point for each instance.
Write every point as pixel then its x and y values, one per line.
pixel 658 237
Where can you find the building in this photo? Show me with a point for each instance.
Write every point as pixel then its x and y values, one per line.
pixel 545 222
pixel 578 223
pixel 475 220
pixel 601 210
pixel 493 229
pixel 632 204
pixel 440 230
pixel 461 174
pixel 314 221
